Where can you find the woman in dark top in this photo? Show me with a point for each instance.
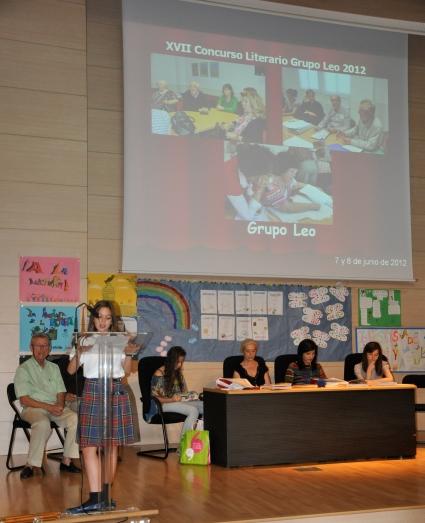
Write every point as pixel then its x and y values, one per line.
pixel 306 367
pixel 251 368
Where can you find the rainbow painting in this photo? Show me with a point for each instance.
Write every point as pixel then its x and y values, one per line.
pixel 170 297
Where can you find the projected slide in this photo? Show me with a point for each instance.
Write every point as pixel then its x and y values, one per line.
pixel 283 154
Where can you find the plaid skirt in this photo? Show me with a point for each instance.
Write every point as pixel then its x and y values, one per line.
pixel 90 432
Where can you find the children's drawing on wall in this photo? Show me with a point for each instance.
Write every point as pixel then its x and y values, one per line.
pixel 49 279
pixel 379 307
pixel 118 288
pixel 55 321
pixel 404 347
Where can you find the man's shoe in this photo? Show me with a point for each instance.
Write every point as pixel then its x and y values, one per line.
pixel 69 468
pixel 27 472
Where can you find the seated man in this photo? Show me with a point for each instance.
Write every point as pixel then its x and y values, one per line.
pixel 41 391
pixel 368 133
pixel 194 99
pixel 338 118
pixel 310 110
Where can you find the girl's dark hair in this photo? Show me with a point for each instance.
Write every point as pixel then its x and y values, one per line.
pixel 228 86
pixel 171 374
pixel 370 347
pixel 95 311
pixel 306 346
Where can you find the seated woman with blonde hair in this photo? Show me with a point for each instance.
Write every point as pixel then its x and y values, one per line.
pixel 373 367
pixel 252 368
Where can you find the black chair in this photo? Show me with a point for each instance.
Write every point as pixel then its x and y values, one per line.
pixel 231 363
pixel 19 423
pixel 419 381
pixel 349 363
pixel 74 383
pixel 146 369
pixel 281 363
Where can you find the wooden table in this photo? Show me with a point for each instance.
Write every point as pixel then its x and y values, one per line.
pixel 308 424
pixel 207 122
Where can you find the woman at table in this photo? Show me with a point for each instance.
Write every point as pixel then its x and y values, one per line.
pixel 249 127
pixel 301 371
pixel 373 367
pixel 228 101
pixel 169 387
pixel 252 368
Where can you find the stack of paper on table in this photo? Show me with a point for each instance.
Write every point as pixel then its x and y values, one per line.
pixel 334 382
pixel 277 386
pixel 233 384
pixel 320 135
pixel 297 141
pixel 352 148
pixel 297 125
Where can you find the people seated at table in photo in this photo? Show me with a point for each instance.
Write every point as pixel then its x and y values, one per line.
pixel 228 101
pixel 274 190
pixel 194 99
pixel 306 367
pixel 169 386
pixel 41 392
pixel 338 117
pixel 249 127
pixel 163 98
pixel 373 367
pixel 310 110
pixel 250 368
pixel 290 102
pixel 367 134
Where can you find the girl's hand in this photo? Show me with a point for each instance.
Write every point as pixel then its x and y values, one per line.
pixel 176 398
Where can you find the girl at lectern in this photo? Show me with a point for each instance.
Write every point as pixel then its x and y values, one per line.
pixel 305 368
pixel 373 365
pixel 169 386
pixel 102 320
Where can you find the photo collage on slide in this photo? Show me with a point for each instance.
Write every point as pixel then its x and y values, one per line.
pixel 278 134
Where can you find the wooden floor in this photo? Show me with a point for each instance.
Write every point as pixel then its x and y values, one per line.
pixel 214 494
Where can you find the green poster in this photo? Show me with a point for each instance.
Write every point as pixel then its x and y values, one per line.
pixel 379 308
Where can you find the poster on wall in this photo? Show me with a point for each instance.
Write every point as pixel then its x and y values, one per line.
pixel 49 279
pixel 210 319
pixel 379 307
pixel 118 288
pixel 54 320
pixel 404 347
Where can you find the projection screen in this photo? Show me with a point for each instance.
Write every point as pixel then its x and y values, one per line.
pixel 264 146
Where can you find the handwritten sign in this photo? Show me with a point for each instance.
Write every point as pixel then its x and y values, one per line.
pixel 55 321
pixel 49 279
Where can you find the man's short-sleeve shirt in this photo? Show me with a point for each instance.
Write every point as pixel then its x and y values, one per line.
pixel 39 383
